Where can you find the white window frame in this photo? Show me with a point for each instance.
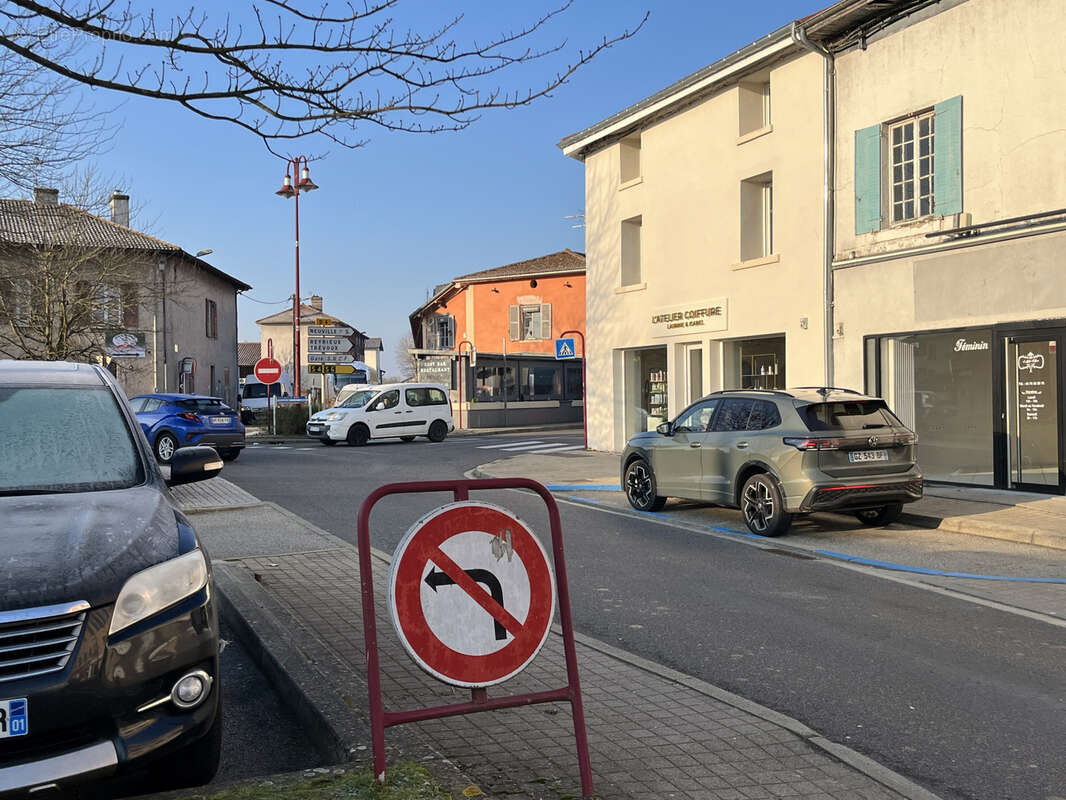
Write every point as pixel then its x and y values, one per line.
pixel 530 331
pixel 897 182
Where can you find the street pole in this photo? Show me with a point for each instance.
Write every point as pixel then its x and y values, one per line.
pixel 460 359
pixel 584 385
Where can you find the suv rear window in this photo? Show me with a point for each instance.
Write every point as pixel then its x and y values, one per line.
pixel 855 415
pixel 202 404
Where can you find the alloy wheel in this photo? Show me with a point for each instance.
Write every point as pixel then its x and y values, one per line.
pixel 639 485
pixel 758 505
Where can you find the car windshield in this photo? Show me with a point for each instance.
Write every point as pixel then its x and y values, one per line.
pixel 853 415
pixel 359 399
pixel 255 390
pixel 64 440
pixel 204 405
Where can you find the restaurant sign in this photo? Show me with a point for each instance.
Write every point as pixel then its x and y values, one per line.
pixel 706 315
pixel 124 344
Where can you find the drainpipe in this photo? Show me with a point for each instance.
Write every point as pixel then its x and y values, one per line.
pixel 799 36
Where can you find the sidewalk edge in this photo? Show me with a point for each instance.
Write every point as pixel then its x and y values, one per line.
pixel 857 761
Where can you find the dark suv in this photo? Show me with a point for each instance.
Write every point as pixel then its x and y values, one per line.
pixel 774 454
pixel 108 624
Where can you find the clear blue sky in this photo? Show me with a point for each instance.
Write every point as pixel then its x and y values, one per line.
pixel 406 212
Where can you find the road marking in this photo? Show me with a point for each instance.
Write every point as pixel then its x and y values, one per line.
pixel 539 448
pixel 562 448
pixel 507 444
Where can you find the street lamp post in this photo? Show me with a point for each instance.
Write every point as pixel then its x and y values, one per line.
pixel 584 384
pixel 300 181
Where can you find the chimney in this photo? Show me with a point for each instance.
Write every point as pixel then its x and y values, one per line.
pixel 316 302
pixel 45 197
pixel 120 208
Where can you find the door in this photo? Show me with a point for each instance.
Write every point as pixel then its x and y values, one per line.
pixel 726 448
pixel 676 458
pixel 421 403
pixel 1033 412
pixel 384 416
pixel 693 372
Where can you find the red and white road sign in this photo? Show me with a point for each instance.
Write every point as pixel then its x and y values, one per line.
pixel 267 370
pixel 471 594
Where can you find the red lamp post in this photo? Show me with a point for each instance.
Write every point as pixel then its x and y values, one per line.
pixel 584 384
pixel 300 181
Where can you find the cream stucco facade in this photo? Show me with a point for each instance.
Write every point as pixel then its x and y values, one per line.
pixel 698 186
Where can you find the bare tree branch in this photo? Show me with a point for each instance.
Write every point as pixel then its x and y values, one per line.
pixel 295 73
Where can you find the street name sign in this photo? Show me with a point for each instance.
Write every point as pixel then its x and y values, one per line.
pixel 329 358
pixel 471 594
pixel 328 344
pixel 267 370
pixel 329 330
pixel 564 348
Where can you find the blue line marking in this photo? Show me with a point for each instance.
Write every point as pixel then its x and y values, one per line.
pixel 584 487
pixel 942 573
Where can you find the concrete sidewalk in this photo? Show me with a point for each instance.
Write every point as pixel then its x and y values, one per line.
pixel 1026 518
pixel 652 731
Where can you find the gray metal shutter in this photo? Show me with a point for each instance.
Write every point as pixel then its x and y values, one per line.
pixel 545 320
pixel 514 323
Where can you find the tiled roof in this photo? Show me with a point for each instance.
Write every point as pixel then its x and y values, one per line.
pixel 24 222
pixel 563 261
pixel 248 353
pixel 308 314
pixel 373 343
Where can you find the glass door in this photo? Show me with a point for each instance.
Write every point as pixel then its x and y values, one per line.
pixel 693 372
pixel 1033 412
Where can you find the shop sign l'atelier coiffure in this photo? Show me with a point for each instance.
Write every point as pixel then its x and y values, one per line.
pixel 705 315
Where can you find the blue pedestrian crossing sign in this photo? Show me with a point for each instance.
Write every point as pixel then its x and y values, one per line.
pixel 564 348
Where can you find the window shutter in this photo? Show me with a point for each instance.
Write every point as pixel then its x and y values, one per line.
pixel 129 305
pixel 947 157
pixel 450 325
pixel 868 179
pixel 545 320
pixel 514 318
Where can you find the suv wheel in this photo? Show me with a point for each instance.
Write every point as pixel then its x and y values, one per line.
pixel 640 487
pixel 165 447
pixel 358 435
pixel 876 517
pixel 763 507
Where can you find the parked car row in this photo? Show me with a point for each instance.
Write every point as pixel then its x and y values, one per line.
pixel 109 648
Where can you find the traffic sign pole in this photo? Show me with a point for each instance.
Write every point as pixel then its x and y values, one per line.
pixel 380 719
pixel 584 385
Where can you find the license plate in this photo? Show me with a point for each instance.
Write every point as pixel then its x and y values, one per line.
pixel 220 420
pixel 314 429
pixel 14 718
pixel 868 455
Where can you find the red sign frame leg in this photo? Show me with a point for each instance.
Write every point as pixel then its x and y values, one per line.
pixel 380 719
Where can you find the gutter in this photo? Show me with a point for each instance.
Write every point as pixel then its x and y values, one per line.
pixel 799 36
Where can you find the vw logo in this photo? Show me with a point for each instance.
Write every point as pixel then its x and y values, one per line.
pixel 872 441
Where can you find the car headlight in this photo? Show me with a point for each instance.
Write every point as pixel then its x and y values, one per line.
pixel 334 415
pixel 156 588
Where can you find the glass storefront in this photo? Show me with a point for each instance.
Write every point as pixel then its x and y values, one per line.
pixel 756 363
pixel 525 379
pixel 647 398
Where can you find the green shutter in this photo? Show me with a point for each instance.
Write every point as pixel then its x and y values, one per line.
pixel 947 159
pixel 868 179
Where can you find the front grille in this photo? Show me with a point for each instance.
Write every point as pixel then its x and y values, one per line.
pixel 36 641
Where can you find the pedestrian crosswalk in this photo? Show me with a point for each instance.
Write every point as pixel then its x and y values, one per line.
pixel 532 446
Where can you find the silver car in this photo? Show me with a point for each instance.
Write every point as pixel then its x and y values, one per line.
pixel 775 454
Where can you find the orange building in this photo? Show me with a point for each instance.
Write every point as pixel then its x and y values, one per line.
pixel 500 326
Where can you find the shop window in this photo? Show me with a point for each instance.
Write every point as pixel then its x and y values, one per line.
pixel 909 168
pixel 646 396
pixel 754 104
pixel 494 383
pixel 757 217
pixel 629 156
pixel 631 251
pixel 757 363
pixel 541 381
pixel 574 385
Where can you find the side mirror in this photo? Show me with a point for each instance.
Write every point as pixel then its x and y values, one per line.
pixel 665 429
pixel 192 464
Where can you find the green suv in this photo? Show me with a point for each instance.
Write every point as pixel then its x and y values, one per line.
pixel 774 454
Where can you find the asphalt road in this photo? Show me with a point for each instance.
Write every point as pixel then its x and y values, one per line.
pixel 967 700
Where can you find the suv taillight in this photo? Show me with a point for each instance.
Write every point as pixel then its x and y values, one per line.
pixel 189 416
pixel 906 438
pixel 814 443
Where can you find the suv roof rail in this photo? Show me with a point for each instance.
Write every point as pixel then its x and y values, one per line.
pixel 755 391
pixel 824 390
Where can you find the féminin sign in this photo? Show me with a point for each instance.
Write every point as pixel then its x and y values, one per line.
pixel 708 315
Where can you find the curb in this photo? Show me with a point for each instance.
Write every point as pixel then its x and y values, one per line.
pixel 290 659
pixel 989 530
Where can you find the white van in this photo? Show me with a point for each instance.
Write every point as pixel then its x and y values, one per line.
pixel 384 411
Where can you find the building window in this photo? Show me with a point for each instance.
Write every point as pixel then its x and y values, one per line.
pixel 210 319
pixel 130 302
pixel 631 247
pixel 910 161
pixel 530 322
pixel 18 300
pixel 754 103
pixel 757 217
pixel 106 305
pixel 440 332
pixel 630 158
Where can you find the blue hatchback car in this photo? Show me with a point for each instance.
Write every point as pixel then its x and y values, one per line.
pixel 171 421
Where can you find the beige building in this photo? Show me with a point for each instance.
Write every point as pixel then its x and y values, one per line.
pixel 705 238
pixel 951 234
pixel 76 286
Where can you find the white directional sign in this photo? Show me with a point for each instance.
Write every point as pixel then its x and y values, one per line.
pixel 329 358
pixel 322 330
pixel 323 344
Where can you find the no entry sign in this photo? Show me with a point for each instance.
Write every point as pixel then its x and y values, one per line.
pixel 471 594
pixel 267 370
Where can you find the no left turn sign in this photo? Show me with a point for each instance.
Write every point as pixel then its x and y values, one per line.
pixel 471 594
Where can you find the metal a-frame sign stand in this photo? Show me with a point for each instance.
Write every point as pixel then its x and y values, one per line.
pixel 380 718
